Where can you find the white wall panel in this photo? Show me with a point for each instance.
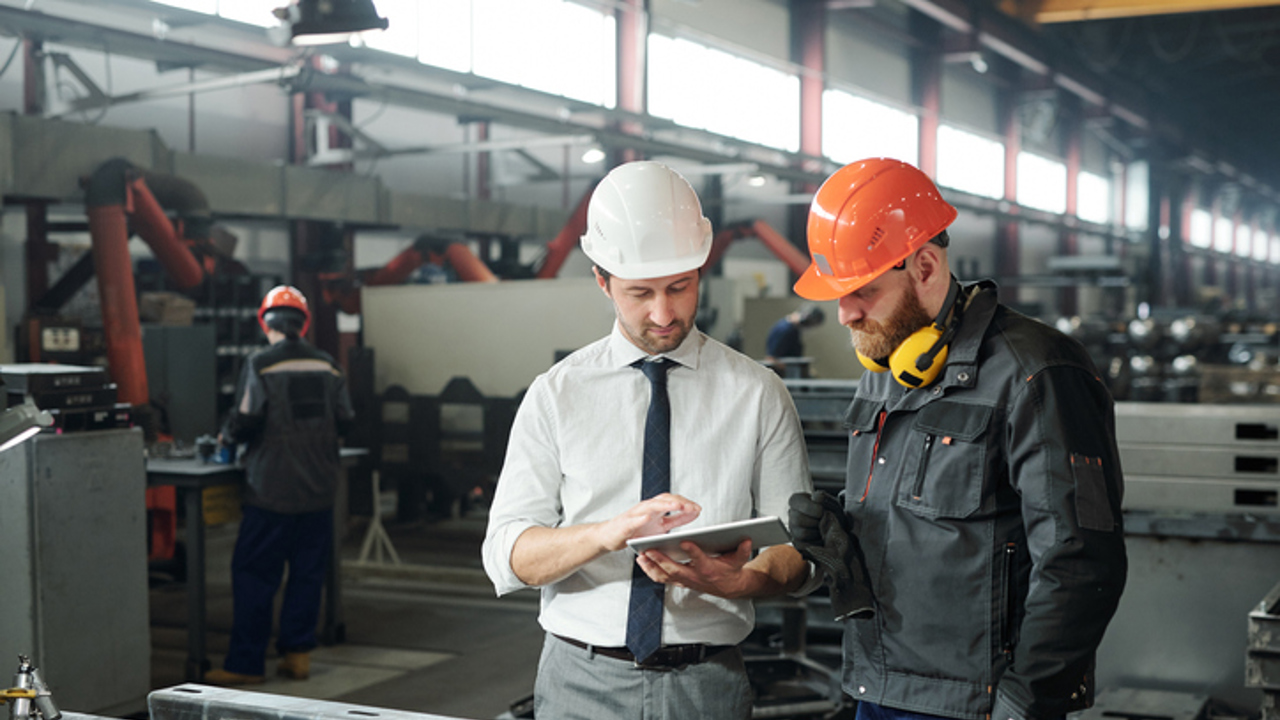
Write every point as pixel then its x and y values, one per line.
pixel 500 336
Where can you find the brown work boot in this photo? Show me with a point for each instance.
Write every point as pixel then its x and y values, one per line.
pixel 226 678
pixel 296 665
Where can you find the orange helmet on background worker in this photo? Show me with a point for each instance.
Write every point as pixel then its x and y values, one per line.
pixel 644 221
pixel 284 297
pixel 866 218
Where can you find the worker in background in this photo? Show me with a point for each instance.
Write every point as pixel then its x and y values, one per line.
pixel 784 340
pixel 718 434
pixel 981 512
pixel 291 406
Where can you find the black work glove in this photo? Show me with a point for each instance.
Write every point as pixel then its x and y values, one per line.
pixel 820 532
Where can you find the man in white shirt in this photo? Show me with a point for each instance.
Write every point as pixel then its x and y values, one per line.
pixel 572 490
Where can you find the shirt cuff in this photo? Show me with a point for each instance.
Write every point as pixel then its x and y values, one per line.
pixel 496 554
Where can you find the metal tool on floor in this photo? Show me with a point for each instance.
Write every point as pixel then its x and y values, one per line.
pixel 29 697
pixel 376 538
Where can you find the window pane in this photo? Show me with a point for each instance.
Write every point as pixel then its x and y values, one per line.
pixel 684 96
pixel 254 12
pixel 547 45
pixel 401 35
pixel 1136 196
pixel 205 6
pixel 1042 183
pixel 1093 198
pixel 1223 235
pixel 1275 249
pixel 1201 228
pixel 970 162
pixel 444 34
pixel 854 128
pixel 1261 245
pixel 1244 240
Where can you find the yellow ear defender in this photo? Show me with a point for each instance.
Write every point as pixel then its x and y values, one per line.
pixel 919 359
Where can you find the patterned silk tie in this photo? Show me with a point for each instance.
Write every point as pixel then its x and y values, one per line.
pixel 644 613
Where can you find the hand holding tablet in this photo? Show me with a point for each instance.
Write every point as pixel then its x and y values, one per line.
pixel 716 539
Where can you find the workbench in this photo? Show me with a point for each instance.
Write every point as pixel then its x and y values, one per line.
pixel 190 477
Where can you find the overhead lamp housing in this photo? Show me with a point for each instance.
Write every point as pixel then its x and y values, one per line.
pixel 325 22
pixel 21 422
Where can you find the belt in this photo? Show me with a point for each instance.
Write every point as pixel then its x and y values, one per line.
pixel 665 658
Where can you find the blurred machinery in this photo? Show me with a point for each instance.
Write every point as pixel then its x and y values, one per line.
pixel 1180 356
pixel 1262 665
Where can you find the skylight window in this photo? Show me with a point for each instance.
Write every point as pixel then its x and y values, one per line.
pixel 688 98
pixel 1093 198
pixel 854 128
pixel 1244 240
pixel 1223 235
pixel 1042 183
pixel 1201 228
pixel 548 45
pixel 1261 244
pixel 970 162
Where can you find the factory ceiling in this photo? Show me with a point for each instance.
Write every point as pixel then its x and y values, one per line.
pixel 1210 67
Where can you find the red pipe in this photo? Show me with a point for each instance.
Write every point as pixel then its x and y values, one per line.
pixel 109 233
pixel 157 231
pixel 562 245
pixel 788 253
pixel 469 267
pixel 796 260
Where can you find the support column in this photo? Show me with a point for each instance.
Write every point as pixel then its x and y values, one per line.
pixel 632 28
pixel 1068 237
pixel 1008 238
pixel 808 50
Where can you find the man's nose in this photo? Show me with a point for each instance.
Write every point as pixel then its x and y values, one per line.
pixel 850 310
pixel 660 313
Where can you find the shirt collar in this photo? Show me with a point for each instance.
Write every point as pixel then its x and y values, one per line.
pixel 623 352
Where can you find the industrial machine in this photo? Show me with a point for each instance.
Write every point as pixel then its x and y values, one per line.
pixel 30 696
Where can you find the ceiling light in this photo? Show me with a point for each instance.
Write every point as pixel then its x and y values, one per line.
pixel 21 422
pixel 325 22
pixel 593 155
pixel 756 181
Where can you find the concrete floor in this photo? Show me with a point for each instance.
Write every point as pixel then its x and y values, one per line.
pixel 427 637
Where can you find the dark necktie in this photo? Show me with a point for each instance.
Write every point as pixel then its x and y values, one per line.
pixel 644 612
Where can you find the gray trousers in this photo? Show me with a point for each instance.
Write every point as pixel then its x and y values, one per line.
pixel 574 683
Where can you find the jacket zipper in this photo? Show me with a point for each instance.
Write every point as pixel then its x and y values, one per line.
pixel 918 490
pixel 1010 551
pixel 875 453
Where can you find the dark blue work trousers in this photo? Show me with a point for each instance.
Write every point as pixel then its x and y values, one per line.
pixel 268 541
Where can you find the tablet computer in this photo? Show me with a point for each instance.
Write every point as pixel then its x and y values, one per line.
pixel 716 539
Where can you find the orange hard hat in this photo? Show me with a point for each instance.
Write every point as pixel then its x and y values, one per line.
pixel 867 217
pixel 284 296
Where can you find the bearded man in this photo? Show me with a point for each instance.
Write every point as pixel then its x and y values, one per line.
pixel 978 545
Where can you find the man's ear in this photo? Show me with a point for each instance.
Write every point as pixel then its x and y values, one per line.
pixel 931 262
pixel 604 284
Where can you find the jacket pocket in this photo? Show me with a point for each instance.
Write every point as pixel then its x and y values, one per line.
pixel 862 421
pixel 1093 508
pixel 948 460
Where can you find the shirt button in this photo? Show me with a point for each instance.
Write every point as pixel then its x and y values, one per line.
pixel 963 377
pixel 880 460
pixel 862 689
pixel 937 390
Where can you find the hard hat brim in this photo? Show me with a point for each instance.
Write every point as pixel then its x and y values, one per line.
pixel 656 268
pixel 815 286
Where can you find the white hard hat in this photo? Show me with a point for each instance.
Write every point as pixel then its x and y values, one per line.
pixel 644 221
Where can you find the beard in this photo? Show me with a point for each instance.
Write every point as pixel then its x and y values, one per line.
pixel 655 344
pixel 878 340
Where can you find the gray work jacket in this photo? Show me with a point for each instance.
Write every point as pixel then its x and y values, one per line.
pixel 291 406
pixel 987 506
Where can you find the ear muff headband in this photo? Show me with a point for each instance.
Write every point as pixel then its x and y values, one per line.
pixel 919 360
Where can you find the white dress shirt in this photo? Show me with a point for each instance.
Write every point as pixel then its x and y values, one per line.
pixel 574 457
